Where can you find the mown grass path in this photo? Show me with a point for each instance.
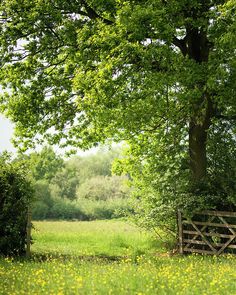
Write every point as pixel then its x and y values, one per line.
pixel 107 257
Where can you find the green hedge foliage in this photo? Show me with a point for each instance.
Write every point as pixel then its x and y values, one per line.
pixel 15 194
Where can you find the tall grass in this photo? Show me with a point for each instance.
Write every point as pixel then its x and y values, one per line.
pixel 104 238
pixel 111 257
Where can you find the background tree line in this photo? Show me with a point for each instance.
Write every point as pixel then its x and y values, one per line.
pixel 78 188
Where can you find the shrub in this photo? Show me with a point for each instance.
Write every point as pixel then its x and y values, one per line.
pixel 112 208
pixel 66 209
pixel 15 194
pixel 40 210
pixel 81 209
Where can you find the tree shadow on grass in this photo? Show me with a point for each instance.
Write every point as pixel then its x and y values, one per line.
pixel 96 258
pixel 42 257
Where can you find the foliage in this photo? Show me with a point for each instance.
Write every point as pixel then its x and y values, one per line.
pixel 109 209
pixel 43 192
pixel 64 209
pixel 161 183
pixel 103 188
pixel 158 74
pixel 64 183
pixel 92 165
pixel 81 188
pixel 40 210
pixel 44 164
pixel 222 162
pixel 15 197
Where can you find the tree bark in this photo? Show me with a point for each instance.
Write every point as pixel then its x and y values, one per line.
pixel 198 132
pixel 197 48
pixel 197 151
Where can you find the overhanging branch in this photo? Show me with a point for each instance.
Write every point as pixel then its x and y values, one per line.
pixel 225 117
pixel 92 14
pixel 181 44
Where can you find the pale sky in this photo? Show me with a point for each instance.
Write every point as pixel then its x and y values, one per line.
pixel 6 134
pixel 7 130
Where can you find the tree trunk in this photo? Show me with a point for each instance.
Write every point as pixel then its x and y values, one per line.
pixel 198 132
pixel 197 48
pixel 197 151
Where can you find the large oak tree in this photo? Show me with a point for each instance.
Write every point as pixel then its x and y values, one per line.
pixel 156 73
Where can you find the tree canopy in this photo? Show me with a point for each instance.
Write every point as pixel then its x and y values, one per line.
pixel 158 74
pixel 44 164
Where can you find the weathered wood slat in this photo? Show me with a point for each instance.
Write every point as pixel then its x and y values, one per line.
pixel 193 241
pixel 210 224
pixel 231 246
pixel 190 232
pixel 218 213
pixel 197 242
pixel 217 235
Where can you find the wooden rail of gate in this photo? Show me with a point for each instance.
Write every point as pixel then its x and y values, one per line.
pixel 208 232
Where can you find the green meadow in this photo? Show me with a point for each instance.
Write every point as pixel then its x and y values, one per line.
pixel 110 257
pixel 106 238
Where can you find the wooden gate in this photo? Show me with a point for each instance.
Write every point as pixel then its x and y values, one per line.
pixel 209 232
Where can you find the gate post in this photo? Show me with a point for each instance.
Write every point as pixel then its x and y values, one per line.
pixel 28 233
pixel 180 231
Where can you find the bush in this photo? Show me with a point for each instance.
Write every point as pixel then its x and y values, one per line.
pixel 40 210
pixel 81 210
pixel 66 209
pixel 112 208
pixel 15 194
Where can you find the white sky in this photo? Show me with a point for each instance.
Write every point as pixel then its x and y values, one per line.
pixel 6 133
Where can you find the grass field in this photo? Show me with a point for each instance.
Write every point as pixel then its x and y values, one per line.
pixel 110 257
pixel 91 238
